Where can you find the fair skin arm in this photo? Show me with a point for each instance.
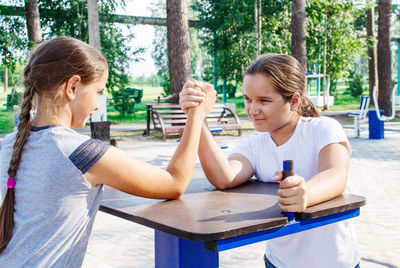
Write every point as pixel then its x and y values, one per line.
pixel 222 172
pixel 121 171
pixel 295 195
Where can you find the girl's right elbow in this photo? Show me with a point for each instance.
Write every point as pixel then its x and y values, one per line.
pixel 220 185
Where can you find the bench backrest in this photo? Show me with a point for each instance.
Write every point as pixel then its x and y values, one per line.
pixel 173 115
pixel 364 106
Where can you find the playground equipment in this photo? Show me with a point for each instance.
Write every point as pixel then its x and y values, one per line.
pixel 378 113
pixel 324 100
pixel 396 99
pixel 376 118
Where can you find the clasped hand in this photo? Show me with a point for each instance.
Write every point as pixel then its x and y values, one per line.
pixel 195 93
pixel 292 193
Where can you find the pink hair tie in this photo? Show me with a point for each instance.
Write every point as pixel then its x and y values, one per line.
pixel 11 183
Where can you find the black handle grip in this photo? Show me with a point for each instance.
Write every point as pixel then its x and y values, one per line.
pixel 287 169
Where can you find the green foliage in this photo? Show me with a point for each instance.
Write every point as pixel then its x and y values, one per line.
pixel 165 84
pixel 13 39
pixel 69 18
pixel 13 98
pixel 229 33
pixel 15 74
pixel 230 90
pixel 160 51
pixel 355 85
pixel 334 20
pixel 122 102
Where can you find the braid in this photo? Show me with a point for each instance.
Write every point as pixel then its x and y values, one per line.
pixel 7 208
pixel 24 128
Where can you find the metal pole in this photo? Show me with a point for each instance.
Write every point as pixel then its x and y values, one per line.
pixel 224 91
pixel 5 66
pixel 398 67
pixel 214 62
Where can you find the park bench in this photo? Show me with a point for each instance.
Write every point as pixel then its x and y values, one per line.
pixel 13 99
pixel 134 93
pixel 170 119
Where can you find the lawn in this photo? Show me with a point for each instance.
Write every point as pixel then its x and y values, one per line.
pixel 7 121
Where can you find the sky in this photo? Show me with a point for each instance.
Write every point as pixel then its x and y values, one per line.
pixel 144 35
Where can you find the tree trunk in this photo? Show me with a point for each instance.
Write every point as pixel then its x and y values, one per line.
pixel 324 85
pixel 370 25
pixel 93 24
pixel 33 22
pixel 299 32
pixel 178 45
pixel 5 78
pixel 257 20
pixel 384 59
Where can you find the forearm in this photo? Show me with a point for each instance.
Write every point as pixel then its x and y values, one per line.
pixel 183 161
pixel 326 185
pixel 215 164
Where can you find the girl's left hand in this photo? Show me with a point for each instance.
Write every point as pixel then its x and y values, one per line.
pixel 292 193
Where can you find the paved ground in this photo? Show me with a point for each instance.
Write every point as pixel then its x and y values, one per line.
pixel 374 173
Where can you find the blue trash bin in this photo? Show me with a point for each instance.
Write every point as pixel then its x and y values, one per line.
pixel 376 126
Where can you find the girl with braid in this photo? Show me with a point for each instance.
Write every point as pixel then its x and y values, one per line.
pixel 51 178
pixel 289 127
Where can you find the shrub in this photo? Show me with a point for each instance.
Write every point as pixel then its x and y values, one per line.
pixel 355 85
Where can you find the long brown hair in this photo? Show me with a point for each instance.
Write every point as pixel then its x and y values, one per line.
pixel 287 77
pixel 49 68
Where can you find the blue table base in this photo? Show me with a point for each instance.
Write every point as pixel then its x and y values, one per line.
pixel 173 252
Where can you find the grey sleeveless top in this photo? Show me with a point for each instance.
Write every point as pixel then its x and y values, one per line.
pixel 55 205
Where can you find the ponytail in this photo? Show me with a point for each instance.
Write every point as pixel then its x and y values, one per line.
pixel 307 108
pixel 7 207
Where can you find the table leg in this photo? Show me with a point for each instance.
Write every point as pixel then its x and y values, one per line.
pixel 175 252
pixel 147 131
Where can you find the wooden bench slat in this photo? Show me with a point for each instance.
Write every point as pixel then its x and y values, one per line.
pixel 173 116
pixel 170 112
pixel 175 121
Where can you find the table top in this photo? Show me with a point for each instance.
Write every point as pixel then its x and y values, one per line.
pixel 204 213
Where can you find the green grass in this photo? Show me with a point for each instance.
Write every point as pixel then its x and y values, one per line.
pixel 7 122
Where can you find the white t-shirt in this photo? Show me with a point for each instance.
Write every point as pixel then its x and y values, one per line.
pixel 332 245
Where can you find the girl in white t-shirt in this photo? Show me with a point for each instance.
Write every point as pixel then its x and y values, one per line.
pixel 289 127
